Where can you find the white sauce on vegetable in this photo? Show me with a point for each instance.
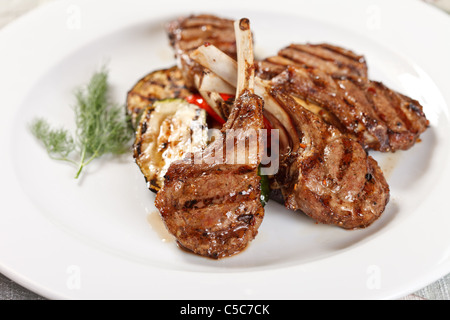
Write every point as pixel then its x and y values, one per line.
pixel 175 128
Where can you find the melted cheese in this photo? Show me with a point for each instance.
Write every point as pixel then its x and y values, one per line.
pixel 174 128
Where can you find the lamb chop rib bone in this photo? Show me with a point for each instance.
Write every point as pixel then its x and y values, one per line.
pixel 226 69
pixel 324 173
pixel 214 208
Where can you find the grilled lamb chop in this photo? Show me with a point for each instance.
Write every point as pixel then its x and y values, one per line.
pixel 188 33
pixel 323 172
pixel 337 89
pixel 328 175
pixel 213 208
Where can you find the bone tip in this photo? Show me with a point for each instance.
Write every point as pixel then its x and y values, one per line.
pixel 244 24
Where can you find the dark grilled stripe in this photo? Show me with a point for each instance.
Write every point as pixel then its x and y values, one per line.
pixel 400 135
pixel 305 59
pixel 343 62
pixel 367 111
pixel 218 200
pixel 396 104
pixel 390 118
pixel 344 52
pixel 203 20
pixel 346 159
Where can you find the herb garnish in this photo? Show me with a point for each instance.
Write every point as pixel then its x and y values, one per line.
pixel 102 127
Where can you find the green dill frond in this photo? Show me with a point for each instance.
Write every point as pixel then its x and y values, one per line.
pixel 102 127
pixel 118 129
pixel 90 109
pixel 58 142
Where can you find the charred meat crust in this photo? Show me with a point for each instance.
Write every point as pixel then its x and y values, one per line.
pixel 329 176
pixel 214 212
pixel 188 33
pixel 213 206
pixel 376 116
pixel 325 57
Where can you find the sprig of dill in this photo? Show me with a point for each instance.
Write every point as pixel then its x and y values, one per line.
pixel 101 127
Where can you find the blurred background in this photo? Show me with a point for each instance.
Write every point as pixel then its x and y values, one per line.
pixel 12 9
pixel 442 4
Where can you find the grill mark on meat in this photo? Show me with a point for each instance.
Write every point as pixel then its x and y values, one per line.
pixel 401 130
pixel 188 33
pixel 321 57
pixel 201 203
pixel 328 179
pixel 205 19
pixel 406 126
pixel 403 126
pixel 345 52
pixel 399 103
pixel 213 205
pixel 366 113
pixel 380 118
pixel 346 64
pixel 322 90
pixel 204 231
pixel 267 69
pixel 239 186
pixel 241 196
pixel 346 159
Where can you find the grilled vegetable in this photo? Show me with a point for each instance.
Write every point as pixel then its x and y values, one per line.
pixel 199 101
pixel 157 85
pixel 167 130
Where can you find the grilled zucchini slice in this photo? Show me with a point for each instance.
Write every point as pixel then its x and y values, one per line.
pixel 157 85
pixel 167 130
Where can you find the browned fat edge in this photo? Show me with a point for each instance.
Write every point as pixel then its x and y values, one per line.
pixel 244 24
pixel 249 73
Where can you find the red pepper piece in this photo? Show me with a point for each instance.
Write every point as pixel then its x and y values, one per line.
pixel 199 101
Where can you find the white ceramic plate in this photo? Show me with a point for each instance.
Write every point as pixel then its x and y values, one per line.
pixel 100 237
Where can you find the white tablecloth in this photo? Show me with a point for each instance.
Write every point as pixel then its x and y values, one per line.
pixel 9 290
